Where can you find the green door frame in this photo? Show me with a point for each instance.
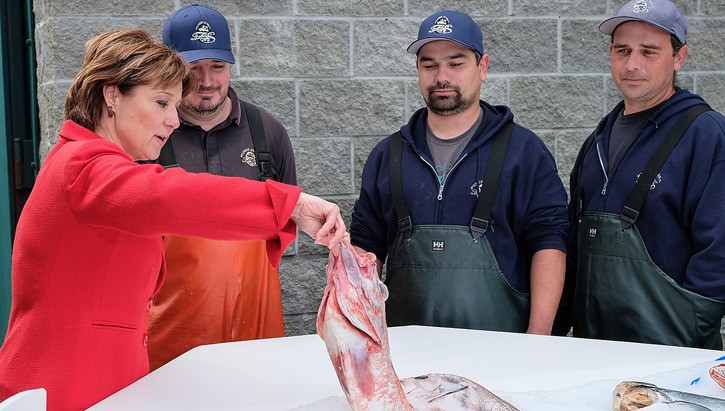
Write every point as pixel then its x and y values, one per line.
pixel 6 205
pixel 18 131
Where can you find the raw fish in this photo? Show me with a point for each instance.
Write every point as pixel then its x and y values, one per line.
pixel 351 322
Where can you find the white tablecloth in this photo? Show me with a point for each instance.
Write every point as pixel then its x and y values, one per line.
pixel 532 372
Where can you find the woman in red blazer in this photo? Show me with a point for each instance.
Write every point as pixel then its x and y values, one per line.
pixel 88 253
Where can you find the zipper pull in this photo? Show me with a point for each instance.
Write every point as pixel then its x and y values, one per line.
pixel 440 192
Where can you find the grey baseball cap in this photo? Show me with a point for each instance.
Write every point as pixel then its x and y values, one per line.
pixel 660 13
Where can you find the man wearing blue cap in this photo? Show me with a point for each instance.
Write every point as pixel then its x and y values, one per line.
pixel 647 196
pixel 471 228
pixel 217 291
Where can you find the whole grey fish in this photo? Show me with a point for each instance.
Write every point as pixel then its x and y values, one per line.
pixel 633 395
pixel 351 322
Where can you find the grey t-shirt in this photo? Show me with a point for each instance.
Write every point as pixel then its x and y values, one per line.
pixel 446 152
pixel 624 132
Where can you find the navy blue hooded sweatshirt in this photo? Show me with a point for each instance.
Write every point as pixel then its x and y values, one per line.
pixel 529 209
pixel 681 221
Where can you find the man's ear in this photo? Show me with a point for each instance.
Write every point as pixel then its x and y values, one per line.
pixel 680 57
pixel 483 66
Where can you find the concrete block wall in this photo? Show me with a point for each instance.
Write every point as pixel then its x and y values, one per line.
pixel 336 74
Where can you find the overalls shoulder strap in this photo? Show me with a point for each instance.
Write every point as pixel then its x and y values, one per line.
pixel 482 215
pixel 654 165
pixel 256 127
pixel 396 184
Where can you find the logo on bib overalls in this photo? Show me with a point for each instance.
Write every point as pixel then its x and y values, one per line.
pixel 592 232
pixel 438 245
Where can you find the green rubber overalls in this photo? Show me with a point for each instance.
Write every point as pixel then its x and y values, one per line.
pixel 445 275
pixel 621 294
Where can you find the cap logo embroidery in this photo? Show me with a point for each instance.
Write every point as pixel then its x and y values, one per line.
pixel 203 33
pixel 640 7
pixel 441 26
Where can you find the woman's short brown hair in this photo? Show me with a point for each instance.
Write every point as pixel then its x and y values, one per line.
pixel 125 58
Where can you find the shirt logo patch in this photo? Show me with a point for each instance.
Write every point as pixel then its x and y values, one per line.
pixel 249 157
pixel 203 33
pixel 592 232
pixel 441 26
pixel 438 245
pixel 655 181
pixel 476 188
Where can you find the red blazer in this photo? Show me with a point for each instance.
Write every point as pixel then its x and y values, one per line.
pixel 88 258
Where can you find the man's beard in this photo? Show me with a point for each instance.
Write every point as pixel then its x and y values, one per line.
pixel 205 107
pixel 447 106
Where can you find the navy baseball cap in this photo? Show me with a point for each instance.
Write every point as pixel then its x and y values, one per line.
pixel 199 32
pixel 659 13
pixel 449 25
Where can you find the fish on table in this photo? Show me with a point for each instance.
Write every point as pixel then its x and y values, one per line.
pixel 351 322
pixel 717 373
pixel 633 395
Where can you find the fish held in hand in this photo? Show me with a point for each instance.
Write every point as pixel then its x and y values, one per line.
pixel 351 322
pixel 633 395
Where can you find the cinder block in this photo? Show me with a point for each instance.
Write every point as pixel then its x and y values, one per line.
pixel 300 324
pixel 232 9
pixel 380 47
pixel 706 43
pixel 495 90
pixel 712 7
pixel 558 7
pixel 293 48
pixel 557 101
pixel 275 96
pixel 350 7
pixel 565 144
pixel 482 8
pixel 712 88
pixel 521 45
pixel 302 279
pixel 108 7
pixel 342 107
pixel 65 40
pixel 583 48
pixel 324 165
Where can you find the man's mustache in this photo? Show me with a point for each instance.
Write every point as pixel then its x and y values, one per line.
pixel 443 86
pixel 211 88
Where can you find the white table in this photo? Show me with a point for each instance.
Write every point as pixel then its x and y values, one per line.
pixel 532 372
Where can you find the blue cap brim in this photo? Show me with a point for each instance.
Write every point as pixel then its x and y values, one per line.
pixel 208 54
pixel 416 45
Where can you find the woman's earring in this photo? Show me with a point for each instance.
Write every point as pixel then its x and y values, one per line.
pixel 110 111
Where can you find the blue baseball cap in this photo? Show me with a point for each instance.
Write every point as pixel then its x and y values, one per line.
pixel 449 25
pixel 659 13
pixel 198 32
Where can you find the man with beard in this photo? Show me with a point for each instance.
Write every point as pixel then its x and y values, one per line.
pixel 217 291
pixel 471 228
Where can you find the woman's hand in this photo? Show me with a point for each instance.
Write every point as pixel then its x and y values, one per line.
pixel 321 220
